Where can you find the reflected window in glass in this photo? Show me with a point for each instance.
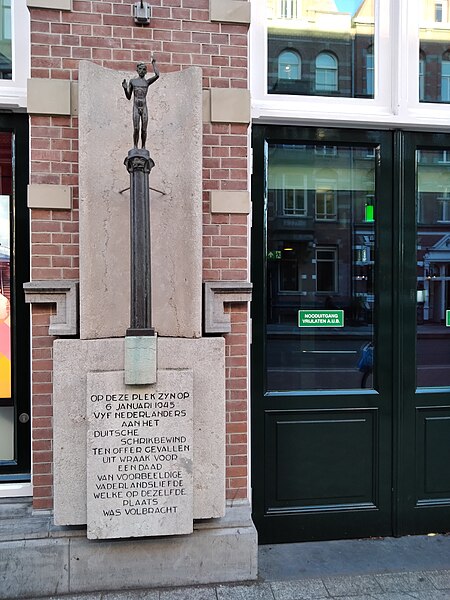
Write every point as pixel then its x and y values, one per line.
pixel 326 73
pixel 289 65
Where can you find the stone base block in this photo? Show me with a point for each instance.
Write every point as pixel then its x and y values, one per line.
pixel 219 551
pixel 73 359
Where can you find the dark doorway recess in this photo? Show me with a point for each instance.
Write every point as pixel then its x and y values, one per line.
pixel 15 442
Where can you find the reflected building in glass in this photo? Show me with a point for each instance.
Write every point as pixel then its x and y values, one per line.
pixel 316 49
pixel 320 255
pixel 434 55
pixel 5 40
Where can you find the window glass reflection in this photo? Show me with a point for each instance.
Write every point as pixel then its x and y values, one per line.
pixel 5 40
pixel 5 281
pixel 433 267
pixel 434 54
pixel 320 256
pixel 321 47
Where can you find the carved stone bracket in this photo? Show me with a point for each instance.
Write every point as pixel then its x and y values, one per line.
pixel 216 294
pixel 62 293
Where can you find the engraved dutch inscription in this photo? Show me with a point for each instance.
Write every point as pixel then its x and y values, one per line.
pixel 139 456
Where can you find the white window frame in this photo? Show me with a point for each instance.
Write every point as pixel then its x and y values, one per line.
pixel 300 206
pixel 325 187
pixel 13 92
pixel 396 81
pixel 326 78
pixel 444 207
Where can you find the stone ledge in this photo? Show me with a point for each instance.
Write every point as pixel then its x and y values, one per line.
pixel 230 11
pixel 49 96
pixel 230 202
pixel 216 294
pixel 52 4
pixel 53 197
pixel 62 293
pixel 219 551
pixel 230 105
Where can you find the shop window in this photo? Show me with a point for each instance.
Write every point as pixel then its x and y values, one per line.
pixel 14 52
pixel 289 65
pixel 326 72
pixel 326 266
pixel 326 203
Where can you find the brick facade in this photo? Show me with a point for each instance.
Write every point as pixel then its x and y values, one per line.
pixel 180 35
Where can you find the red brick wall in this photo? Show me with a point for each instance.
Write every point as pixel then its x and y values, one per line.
pixel 180 35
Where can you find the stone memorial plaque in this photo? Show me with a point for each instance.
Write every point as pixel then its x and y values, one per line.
pixel 139 455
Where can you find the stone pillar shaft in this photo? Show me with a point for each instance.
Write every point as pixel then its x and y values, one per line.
pixel 139 164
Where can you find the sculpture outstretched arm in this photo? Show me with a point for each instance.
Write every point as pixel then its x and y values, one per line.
pixel 127 89
pixel 155 71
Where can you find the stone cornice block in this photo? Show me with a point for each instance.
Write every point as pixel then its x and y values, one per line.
pixel 230 11
pixel 54 4
pixel 43 195
pixel 217 293
pixel 62 293
pixel 230 105
pixel 49 96
pixel 230 202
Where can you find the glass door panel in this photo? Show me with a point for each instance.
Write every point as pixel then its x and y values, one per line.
pixel 433 267
pixel 320 266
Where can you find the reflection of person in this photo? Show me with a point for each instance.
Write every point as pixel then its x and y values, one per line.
pixel 139 86
pixel 365 363
pixel 4 308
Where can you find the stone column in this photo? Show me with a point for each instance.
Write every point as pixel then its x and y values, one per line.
pixel 139 164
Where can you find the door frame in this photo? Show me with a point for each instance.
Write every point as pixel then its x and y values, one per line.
pixel 357 400
pixel 18 470
pixel 396 231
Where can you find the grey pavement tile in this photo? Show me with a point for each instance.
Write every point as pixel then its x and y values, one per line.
pixel 307 589
pixel 440 579
pixel 189 593
pixel 364 597
pixel 431 595
pixel 392 596
pixel 404 582
pixel 131 595
pixel 351 585
pixel 253 591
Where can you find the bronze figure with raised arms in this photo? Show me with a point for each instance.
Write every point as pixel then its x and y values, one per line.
pixel 139 87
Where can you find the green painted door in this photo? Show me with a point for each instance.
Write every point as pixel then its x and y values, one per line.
pixel 350 404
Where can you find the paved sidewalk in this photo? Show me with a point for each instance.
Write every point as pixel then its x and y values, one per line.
pixel 425 585
pixel 373 569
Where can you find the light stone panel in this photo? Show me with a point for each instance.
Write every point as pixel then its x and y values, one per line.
pixel 73 359
pixel 175 144
pixel 139 455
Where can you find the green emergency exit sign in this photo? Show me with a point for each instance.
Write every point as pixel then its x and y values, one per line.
pixel 447 318
pixel 321 318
